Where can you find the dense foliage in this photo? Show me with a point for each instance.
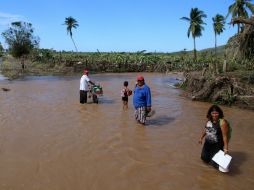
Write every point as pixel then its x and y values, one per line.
pixel 124 61
pixel 20 39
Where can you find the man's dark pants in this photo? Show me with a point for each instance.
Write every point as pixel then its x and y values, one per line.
pixel 83 96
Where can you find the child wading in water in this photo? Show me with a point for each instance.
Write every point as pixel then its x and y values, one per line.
pixel 124 94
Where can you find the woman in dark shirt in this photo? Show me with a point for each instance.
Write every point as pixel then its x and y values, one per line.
pixel 216 135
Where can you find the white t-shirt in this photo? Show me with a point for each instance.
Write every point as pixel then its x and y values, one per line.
pixel 84 83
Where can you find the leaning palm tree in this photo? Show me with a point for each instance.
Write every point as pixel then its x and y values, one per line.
pixel 71 23
pixel 239 9
pixel 195 27
pixel 218 27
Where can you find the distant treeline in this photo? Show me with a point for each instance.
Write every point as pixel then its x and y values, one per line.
pixel 124 61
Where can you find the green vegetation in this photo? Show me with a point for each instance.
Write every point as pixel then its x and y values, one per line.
pixel 123 61
pixel 47 61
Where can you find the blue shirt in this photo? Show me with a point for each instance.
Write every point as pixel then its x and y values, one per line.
pixel 142 97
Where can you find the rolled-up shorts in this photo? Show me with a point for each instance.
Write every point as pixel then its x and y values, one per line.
pixel 125 98
pixel 140 114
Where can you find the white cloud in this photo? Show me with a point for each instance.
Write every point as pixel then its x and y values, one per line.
pixel 7 18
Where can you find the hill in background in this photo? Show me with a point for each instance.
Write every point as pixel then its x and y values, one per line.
pixel 220 51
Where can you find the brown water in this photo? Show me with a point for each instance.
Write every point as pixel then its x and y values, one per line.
pixel 48 141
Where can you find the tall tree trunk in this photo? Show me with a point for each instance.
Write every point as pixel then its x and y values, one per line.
pixel 215 50
pixel 225 66
pixel 194 51
pixel 216 62
pixel 74 44
pixel 22 61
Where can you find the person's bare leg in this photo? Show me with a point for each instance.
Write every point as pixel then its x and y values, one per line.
pixel 124 105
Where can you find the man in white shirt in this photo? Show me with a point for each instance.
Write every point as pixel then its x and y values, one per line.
pixel 84 88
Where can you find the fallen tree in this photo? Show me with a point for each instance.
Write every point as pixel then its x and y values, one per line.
pixel 242 45
pixel 222 89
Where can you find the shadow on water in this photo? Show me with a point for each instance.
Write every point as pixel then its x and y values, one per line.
pixel 238 158
pixel 106 100
pixel 160 120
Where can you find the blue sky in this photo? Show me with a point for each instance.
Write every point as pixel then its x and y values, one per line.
pixel 116 25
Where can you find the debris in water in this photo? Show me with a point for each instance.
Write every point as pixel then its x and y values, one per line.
pixel 6 89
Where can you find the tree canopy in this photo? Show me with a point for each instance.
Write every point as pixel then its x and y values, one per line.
pixel 218 27
pixel 195 25
pixel 239 9
pixel 20 39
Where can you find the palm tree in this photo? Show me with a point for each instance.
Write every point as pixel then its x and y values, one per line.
pixel 218 27
pixel 195 27
pixel 70 22
pixel 239 9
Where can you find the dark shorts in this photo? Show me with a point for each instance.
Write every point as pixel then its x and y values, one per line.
pixel 125 98
pixel 209 150
pixel 83 96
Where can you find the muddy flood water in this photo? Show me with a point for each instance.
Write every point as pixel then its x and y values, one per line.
pixel 48 141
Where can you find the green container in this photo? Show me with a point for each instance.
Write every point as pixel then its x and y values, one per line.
pixel 97 89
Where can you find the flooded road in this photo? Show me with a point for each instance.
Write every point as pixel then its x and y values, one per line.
pixel 49 141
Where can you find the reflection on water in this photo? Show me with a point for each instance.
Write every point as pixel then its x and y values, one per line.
pixel 49 141
pixel 2 77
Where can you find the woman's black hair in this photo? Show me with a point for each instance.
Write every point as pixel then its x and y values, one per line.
pixel 214 108
pixel 125 83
